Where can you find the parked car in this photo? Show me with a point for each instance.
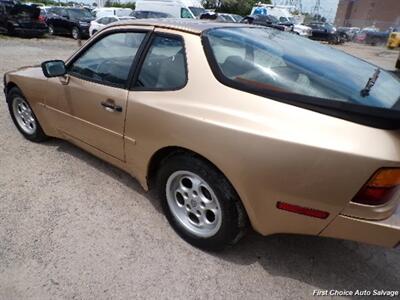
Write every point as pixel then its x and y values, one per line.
pixel 20 19
pixel 187 9
pixel 69 21
pixel 144 14
pixel 372 36
pixel 325 32
pixel 297 28
pixel 348 33
pixel 102 22
pixel 290 135
pixel 111 11
pixel 394 39
pixel 267 21
pixel 231 18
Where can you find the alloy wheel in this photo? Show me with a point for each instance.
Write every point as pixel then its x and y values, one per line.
pixel 193 203
pixel 24 116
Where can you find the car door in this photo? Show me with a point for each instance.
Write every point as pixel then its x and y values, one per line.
pixel 3 17
pixel 89 104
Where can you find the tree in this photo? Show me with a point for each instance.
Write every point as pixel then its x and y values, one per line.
pixel 239 7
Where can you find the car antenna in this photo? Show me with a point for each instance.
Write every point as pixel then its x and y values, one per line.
pixel 371 82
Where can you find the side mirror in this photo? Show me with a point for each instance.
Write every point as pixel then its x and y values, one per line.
pixel 54 68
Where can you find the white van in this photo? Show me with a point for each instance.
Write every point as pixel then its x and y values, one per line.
pixel 190 9
pixel 111 11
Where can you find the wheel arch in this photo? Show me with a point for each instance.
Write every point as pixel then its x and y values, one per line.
pixel 9 86
pixel 161 154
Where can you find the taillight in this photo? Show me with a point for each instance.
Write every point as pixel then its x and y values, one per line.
pixel 380 189
pixel 42 19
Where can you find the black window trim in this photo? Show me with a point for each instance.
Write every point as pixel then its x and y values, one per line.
pixel 376 117
pixel 133 86
pixel 134 66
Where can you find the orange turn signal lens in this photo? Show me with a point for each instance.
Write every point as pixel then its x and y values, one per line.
pixel 385 178
pixel 380 189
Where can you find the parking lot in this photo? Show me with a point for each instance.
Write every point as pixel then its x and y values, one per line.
pixel 74 227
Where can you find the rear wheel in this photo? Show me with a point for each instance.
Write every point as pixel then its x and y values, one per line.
pixel 51 30
pixel 200 203
pixel 10 29
pixel 23 116
pixel 76 33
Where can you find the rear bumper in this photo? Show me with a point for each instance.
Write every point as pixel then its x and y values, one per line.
pixel 31 31
pixel 383 233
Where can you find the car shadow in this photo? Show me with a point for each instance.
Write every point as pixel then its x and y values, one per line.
pixel 323 263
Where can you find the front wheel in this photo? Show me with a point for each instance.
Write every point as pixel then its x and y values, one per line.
pixel 76 33
pixel 23 116
pixel 200 203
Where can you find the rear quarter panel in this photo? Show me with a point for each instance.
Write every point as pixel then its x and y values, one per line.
pixel 270 151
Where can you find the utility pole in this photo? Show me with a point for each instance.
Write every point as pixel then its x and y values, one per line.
pixel 317 8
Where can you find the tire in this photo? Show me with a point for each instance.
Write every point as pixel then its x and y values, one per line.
pixel 23 116
pixel 200 203
pixel 10 29
pixel 52 31
pixel 76 33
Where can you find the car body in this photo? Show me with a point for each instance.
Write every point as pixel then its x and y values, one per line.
pixel 325 32
pixel 230 123
pixel 21 19
pixel 349 33
pixel 186 9
pixel 267 21
pixel 231 18
pixel 111 11
pixel 69 21
pixel 145 14
pixel 372 36
pixel 102 22
pixel 394 39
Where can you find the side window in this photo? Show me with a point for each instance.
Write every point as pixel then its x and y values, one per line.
pixel 164 67
pixel 185 13
pixel 111 20
pixel 109 60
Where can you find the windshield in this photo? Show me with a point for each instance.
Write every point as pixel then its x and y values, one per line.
pixel 197 11
pixel 237 18
pixel 270 60
pixel 80 14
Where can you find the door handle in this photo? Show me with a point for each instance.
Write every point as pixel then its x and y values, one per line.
pixel 110 106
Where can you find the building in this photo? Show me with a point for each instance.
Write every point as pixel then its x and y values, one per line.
pixel 382 14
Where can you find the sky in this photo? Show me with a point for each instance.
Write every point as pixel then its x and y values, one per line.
pixel 328 7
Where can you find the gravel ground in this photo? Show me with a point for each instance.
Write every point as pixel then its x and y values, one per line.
pixel 74 227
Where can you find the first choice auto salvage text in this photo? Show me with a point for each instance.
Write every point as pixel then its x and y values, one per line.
pixel 363 293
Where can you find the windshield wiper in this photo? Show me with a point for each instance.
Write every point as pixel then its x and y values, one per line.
pixel 371 82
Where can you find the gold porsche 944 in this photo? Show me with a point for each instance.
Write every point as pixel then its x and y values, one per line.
pixel 234 125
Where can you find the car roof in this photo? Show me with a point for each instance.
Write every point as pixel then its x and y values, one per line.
pixel 185 25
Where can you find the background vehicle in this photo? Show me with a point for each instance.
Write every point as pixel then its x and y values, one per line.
pixel 102 22
pixel 267 21
pixel 70 21
pixel 176 8
pixel 21 19
pixel 144 14
pixel 231 17
pixel 372 36
pixel 299 29
pixel 325 32
pixel 111 11
pixel 348 33
pixel 394 39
